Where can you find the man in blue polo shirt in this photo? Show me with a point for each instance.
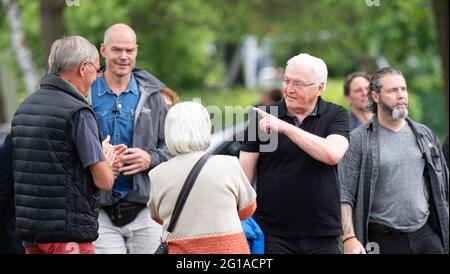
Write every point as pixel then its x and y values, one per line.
pixel 297 185
pixel 131 110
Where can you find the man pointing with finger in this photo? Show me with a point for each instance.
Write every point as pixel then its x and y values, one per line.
pixel 131 110
pixel 297 185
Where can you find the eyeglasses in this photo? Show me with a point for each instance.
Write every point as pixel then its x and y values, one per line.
pixel 98 70
pixel 295 85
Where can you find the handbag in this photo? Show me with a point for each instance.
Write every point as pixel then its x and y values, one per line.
pixel 184 193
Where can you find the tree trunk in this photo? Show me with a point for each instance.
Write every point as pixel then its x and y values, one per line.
pixel 440 9
pixel 23 54
pixel 2 102
pixel 8 90
pixel 52 24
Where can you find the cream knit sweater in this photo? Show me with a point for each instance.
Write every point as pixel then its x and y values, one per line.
pixel 219 199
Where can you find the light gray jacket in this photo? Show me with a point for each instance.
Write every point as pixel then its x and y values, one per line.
pixel 148 135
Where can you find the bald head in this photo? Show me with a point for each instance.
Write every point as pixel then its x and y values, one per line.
pixel 120 50
pixel 119 31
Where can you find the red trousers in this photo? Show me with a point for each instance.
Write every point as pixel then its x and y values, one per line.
pixel 61 248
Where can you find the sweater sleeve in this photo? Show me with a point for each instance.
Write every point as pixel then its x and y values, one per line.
pixel 152 204
pixel 246 195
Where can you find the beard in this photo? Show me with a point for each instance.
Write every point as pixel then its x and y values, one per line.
pixel 395 113
pixel 363 108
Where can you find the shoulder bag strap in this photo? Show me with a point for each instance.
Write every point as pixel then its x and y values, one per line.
pixel 185 190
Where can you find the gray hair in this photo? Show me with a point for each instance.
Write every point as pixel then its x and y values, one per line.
pixel 69 52
pixel 375 84
pixel 318 66
pixel 187 128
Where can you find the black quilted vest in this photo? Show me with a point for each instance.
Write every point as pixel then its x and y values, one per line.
pixel 55 197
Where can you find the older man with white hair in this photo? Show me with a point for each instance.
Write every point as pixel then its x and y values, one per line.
pixel 297 184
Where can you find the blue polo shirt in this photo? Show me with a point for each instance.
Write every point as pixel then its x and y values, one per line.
pixel 116 119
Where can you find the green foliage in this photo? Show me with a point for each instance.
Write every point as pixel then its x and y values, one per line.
pixel 334 92
pixel 176 37
pixel 433 114
pixel 4 34
pixel 31 24
pixel 235 97
pixel 92 18
pixel 399 33
pixel 174 40
pixel 172 35
pixel 238 101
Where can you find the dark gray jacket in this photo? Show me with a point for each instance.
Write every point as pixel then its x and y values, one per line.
pixel 358 172
pixel 148 135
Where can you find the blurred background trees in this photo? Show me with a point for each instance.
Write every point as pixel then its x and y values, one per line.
pixel 195 46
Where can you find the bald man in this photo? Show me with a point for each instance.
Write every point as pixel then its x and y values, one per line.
pixel 130 109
